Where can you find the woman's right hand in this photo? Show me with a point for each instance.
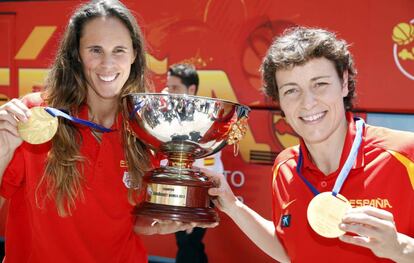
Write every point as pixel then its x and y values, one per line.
pixel 223 197
pixel 10 114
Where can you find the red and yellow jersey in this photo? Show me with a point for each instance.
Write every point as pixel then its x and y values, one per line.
pixel 100 228
pixel 382 176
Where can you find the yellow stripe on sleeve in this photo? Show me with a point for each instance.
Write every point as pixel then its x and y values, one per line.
pixel 407 163
pixel 275 172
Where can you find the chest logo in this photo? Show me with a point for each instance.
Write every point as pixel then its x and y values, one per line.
pixel 285 221
pixel 128 182
pixel 285 205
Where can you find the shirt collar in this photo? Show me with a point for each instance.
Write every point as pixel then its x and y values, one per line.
pixel 83 113
pixel 350 136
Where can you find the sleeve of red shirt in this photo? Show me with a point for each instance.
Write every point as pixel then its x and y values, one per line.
pixel 275 206
pixel 13 176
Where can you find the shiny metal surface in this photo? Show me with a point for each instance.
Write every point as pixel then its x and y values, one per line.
pixel 183 126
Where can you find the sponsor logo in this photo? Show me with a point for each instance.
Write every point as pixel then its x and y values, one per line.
pixel 285 205
pixel 285 221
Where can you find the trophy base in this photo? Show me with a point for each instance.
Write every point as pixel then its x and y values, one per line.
pixel 178 194
pixel 176 213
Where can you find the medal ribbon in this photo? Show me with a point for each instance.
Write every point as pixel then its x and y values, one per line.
pixel 347 165
pixel 58 113
pixel 137 107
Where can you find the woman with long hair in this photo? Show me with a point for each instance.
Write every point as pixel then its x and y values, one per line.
pixel 71 198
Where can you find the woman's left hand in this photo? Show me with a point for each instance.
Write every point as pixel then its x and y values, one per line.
pixel 149 226
pixel 375 229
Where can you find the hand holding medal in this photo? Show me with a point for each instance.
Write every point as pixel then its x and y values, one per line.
pixel 43 123
pixel 40 127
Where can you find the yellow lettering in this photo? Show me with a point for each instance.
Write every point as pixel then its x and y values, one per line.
pixel 378 202
pixel 387 204
pixel 213 82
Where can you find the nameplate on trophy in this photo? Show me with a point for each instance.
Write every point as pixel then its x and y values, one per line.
pixel 167 194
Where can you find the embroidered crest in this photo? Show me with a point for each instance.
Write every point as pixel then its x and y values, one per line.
pixel 128 182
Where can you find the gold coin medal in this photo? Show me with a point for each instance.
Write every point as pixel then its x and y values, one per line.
pixel 326 210
pixel 40 127
pixel 325 213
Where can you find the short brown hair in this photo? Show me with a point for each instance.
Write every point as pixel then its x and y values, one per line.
pixel 187 73
pixel 299 45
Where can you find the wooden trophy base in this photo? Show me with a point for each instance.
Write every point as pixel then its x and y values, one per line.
pixel 178 195
pixel 175 213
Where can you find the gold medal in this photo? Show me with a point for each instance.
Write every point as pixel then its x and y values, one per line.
pixel 40 128
pixel 325 213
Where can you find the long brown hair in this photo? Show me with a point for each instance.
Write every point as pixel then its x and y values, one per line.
pixel 66 88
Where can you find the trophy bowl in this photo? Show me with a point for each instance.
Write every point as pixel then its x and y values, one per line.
pixel 182 128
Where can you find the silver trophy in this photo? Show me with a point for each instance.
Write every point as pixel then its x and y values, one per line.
pixel 182 128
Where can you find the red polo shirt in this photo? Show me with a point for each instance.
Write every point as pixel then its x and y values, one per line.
pixel 380 177
pixel 101 226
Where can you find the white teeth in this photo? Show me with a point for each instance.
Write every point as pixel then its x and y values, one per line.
pixel 314 117
pixel 107 78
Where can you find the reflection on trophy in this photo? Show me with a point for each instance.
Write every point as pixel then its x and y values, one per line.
pixel 182 128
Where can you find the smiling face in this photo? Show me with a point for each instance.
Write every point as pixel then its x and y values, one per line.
pixel 311 96
pixel 106 53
